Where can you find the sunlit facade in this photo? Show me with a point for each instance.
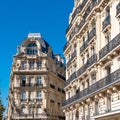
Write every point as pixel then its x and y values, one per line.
pixel 36 82
pixel 92 54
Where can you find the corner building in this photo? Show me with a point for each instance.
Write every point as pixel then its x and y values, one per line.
pixel 37 81
pixel 92 54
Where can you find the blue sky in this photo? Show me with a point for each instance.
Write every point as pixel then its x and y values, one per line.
pixel 20 17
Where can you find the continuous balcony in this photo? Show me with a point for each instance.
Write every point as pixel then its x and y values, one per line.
pixel 62 77
pixel 118 10
pixel 71 78
pixel 106 23
pixel 28 70
pixel 72 57
pixel 91 35
pixel 79 9
pixel 107 81
pixel 32 116
pixel 90 62
pixel 110 46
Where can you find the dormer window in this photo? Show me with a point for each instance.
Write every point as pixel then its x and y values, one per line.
pixel 32 49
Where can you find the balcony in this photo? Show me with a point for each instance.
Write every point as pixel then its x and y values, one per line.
pixel 107 81
pixel 78 9
pixel 92 34
pixel 90 62
pixel 118 10
pixel 39 99
pixel 72 57
pixel 52 86
pixel 24 116
pixel 29 70
pixel 106 23
pixel 84 46
pixel 71 78
pixel 110 46
pixel 65 46
pixel 62 77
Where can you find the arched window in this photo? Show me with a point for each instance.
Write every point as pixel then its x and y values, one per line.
pixel 32 49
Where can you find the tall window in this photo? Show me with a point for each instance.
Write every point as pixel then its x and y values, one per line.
pixel 23 109
pixel 39 64
pixel 23 81
pixel 31 65
pixel 32 49
pixel 108 37
pixel 109 104
pixel 39 110
pixel 39 95
pixel 23 65
pixel 93 77
pixel 39 81
pixel 30 110
pixel 31 81
pixel 107 12
pixel 31 96
pixel 108 70
pixel 92 51
pixel 23 95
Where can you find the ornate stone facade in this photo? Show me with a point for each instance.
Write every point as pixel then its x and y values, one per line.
pixel 37 82
pixel 92 54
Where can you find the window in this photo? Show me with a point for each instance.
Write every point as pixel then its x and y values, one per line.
pixel 31 96
pixel 93 76
pixel 108 37
pixel 83 85
pixel 39 110
pixel 39 81
pixel 77 115
pixel 39 64
pixel 96 107
pixel 83 60
pixel 23 65
pixel 108 104
pixel 87 56
pixel 32 49
pixel 23 109
pixel 92 51
pixel 30 110
pixel 23 95
pixel 108 69
pixel 31 65
pixel 31 81
pixel 23 81
pixel 39 95
pixel 107 12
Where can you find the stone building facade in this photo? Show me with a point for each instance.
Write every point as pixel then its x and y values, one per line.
pixel 37 82
pixel 92 55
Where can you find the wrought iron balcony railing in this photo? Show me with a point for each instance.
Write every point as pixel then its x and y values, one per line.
pixel 84 46
pixel 90 61
pixel 71 78
pixel 106 22
pixel 118 9
pixel 79 9
pixel 72 57
pixel 110 46
pixel 90 36
pixel 111 79
pixel 52 86
pixel 59 75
